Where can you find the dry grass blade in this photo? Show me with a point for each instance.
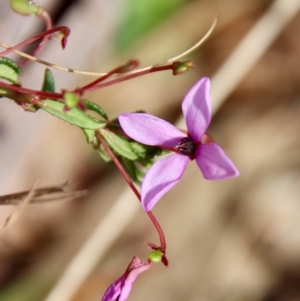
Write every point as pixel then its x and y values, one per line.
pixel 16 213
pixel 42 195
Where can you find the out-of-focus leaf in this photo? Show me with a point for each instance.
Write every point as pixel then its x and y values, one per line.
pixel 73 116
pixel 140 16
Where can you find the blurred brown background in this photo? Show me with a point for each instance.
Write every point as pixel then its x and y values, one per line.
pixel 230 240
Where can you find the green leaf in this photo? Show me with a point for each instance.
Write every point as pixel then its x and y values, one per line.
pixel 48 83
pixel 12 64
pixel 119 144
pixel 9 70
pixel 94 107
pixel 89 135
pixel 145 151
pixel 104 155
pixel 73 116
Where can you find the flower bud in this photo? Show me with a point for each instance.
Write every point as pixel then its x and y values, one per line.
pixel 71 100
pixel 181 67
pixel 24 7
pixel 155 256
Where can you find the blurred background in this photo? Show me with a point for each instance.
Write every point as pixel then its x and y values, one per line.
pixel 230 240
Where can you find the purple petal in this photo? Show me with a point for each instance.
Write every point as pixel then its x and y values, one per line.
pixel 150 130
pixel 135 268
pixel 214 163
pixel 161 177
pixel 121 288
pixel 114 291
pixel 196 109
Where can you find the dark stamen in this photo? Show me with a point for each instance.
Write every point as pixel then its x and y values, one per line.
pixel 187 146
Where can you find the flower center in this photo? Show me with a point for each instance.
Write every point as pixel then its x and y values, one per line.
pixel 187 146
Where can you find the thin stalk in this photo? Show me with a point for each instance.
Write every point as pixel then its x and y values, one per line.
pixel 134 189
pixel 132 75
pixel 121 69
pixel 49 25
pixel 63 29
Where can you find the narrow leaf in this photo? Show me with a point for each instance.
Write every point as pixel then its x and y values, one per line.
pixel 145 151
pixel 105 157
pixel 130 168
pixel 119 144
pixel 89 135
pixel 73 116
pixel 94 107
pixel 12 64
pixel 9 70
pixel 48 83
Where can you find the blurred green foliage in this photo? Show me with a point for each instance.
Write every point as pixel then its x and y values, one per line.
pixel 141 16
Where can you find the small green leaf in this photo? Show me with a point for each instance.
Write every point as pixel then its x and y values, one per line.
pixel 104 155
pixel 119 144
pixel 145 151
pixel 48 83
pixel 73 116
pixel 130 168
pixel 9 70
pixel 89 135
pixel 12 64
pixel 24 7
pixel 94 107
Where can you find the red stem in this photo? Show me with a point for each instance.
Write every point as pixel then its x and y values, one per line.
pixel 48 21
pixel 89 87
pixel 63 29
pixel 51 95
pixel 121 69
pixel 133 188
pixel 130 76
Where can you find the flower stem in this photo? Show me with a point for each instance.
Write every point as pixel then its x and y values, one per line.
pixel 130 76
pixel 121 69
pixel 134 189
pixel 64 30
pixel 48 21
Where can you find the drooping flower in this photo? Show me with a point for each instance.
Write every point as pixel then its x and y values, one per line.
pixel 120 289
pixel 167 172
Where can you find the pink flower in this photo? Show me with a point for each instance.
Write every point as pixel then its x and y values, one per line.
pixel 120 289
pixel 167 172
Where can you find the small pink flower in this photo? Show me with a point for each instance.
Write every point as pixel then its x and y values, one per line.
pixel 120 289
pixel 167 172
